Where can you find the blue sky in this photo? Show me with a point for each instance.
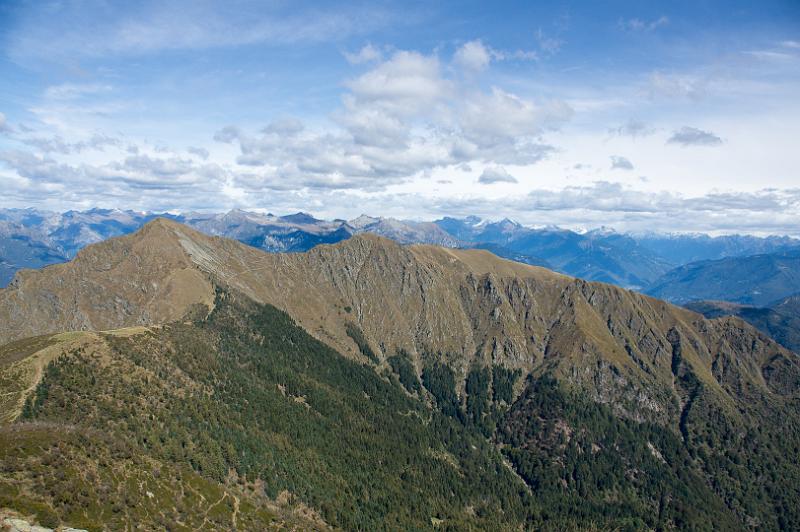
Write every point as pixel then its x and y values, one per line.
pixel 674 116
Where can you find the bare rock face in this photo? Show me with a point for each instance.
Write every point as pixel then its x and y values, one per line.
pixel 16 524
pixel 466 307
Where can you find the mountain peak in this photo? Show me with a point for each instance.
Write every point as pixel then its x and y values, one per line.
pixel 149 276
pixel 161 223
pixel 300 218
pixel 159 232
pixel 363 221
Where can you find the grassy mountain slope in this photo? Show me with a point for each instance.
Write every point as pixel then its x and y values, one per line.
pixel 688 416
pixel 250 401
pixel 234 411
pixel 465 307
pixel 780 320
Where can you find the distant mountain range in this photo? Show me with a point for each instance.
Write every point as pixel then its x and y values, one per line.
pixel 756 280
pixel 31 238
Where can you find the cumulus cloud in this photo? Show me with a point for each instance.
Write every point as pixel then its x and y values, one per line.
pixel 500 116
pixel 367 54
pixel 473 55
pixel 620 163
pixel 404 84
pixel 40 168
pixel 56 144
pixel 169 167
pixel 227 134
pixel 285 126
pixel 403 117
pixel 496 174
pixel 691 136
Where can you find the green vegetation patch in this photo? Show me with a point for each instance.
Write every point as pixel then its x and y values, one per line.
pixel 248 394
pixel 357 335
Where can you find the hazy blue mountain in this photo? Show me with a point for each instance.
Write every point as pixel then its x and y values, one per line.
pixel 686 248
pixel 755 280
pixel 31 239
pixel 20 251
pixel 600 255
pixel 404 231
pixel 295 232
pixel 460 228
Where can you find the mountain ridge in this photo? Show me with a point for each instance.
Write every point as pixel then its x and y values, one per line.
pixel 467 306
pixel 613 381
pixel 756 280
pixel 34 238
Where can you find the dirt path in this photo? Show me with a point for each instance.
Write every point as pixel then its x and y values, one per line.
pixel 14 413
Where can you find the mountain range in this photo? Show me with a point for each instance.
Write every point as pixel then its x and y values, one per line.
pixel 367 384
pixel 31 239
pixel 753 280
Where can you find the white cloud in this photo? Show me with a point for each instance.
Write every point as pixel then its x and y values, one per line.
pixel 200 152
pixel 473 55
pixel 366 54
pixel 56 144
pixel 285 127
pixel 403 117
pixel 406 83
pixel 637 24
pixel 620 163
pixel 500 117
pixel 691 136
pixel 495 174
pixel 227 134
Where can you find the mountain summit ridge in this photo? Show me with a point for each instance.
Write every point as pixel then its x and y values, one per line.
pixel 465 306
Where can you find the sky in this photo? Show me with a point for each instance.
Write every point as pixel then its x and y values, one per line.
pixel 641 116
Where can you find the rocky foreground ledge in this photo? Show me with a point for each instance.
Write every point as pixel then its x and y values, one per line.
pixel 17 524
